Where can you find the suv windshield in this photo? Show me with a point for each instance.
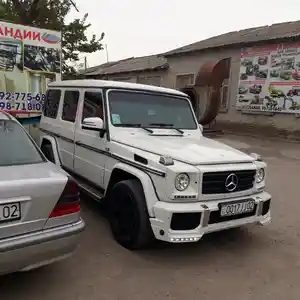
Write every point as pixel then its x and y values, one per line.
pixel 16 148
pixel 137 109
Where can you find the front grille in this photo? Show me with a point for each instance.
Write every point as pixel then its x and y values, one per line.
pixel 215 182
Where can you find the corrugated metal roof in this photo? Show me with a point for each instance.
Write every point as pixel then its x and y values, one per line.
pixel 133 64
pixel 88 70
pixel 97 70
pixel 245 36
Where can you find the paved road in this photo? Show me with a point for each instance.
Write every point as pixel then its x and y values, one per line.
pixel 258 263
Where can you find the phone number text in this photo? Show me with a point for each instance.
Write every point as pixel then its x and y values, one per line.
pixel 22 106
pixel 7 96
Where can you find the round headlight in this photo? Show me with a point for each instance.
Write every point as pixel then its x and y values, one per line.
pixel 182 182
pixel 260 175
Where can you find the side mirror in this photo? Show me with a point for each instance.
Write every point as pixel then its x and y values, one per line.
pixel 95 124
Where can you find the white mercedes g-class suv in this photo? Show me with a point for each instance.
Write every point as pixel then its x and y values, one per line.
pixel 141 150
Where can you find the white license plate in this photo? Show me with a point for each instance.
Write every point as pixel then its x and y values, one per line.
pixel 237 208
pixel 10 212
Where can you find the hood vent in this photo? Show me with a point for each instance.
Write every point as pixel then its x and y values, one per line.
pixel 140 159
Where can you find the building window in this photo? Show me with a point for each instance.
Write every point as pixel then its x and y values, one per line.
pixel 52 103
pixel 121 79
pixel 124 79
pixel 185 80
pixel 70 106
pixel 224 95
pixel 151 80
pixel 93 105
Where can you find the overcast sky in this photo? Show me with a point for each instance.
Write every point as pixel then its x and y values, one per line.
pixel 139 27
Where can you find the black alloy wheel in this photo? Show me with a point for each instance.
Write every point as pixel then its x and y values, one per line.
pixel 128 215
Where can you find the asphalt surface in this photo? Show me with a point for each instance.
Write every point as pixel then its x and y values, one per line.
pixel 258 263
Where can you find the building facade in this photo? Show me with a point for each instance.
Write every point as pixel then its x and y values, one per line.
pixel 248 80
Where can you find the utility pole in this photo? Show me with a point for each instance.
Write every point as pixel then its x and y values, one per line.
pixel 85 64
pixel 74 5
pixel 106 52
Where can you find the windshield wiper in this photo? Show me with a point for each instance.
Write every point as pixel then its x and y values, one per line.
pixel 164 125
pixel 147 129
pixel 135 125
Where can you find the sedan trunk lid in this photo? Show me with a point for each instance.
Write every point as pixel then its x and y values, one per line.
pixel 28 194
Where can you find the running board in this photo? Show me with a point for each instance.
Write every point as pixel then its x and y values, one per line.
pixel 93 192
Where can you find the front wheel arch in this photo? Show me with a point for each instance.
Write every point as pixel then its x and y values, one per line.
pixel 130 172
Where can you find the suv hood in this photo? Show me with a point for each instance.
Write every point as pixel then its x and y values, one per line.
pixel 193 151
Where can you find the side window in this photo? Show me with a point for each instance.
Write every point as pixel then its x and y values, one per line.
pixel 93 105
pixel 70 106
pixel 52 103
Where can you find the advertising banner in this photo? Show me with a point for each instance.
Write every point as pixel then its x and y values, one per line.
pixel 29 59
pixel 270 79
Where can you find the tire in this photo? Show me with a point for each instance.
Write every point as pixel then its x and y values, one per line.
pixel 128 215
pixel 48 152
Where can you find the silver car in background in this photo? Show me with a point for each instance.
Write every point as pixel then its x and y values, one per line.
pixel 39 204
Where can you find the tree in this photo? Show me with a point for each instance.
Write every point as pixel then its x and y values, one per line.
pixel 51 14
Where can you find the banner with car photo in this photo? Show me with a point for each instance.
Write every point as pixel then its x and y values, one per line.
pixel 30 58
pixel 270 79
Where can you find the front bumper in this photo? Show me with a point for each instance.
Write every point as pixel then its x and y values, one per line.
pixel 207 218
pixel 32 250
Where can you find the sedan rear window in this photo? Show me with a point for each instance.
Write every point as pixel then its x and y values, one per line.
pixel 16 148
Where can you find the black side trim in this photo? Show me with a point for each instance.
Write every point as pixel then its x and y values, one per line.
pixel 138 166
pixel 46 131
pixel 66 139
pixel 99 189
pixel 121 159
pixel 92 148
pixel 57 135
pixel 124 160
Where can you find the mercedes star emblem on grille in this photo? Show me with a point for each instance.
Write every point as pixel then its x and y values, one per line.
pixel 231 182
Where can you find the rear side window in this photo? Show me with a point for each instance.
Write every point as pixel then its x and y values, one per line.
pixel 70 106
pixel 93 105
pixel 16 148
pixel 52 103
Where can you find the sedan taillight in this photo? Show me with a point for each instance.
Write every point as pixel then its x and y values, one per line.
pixel 69 201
